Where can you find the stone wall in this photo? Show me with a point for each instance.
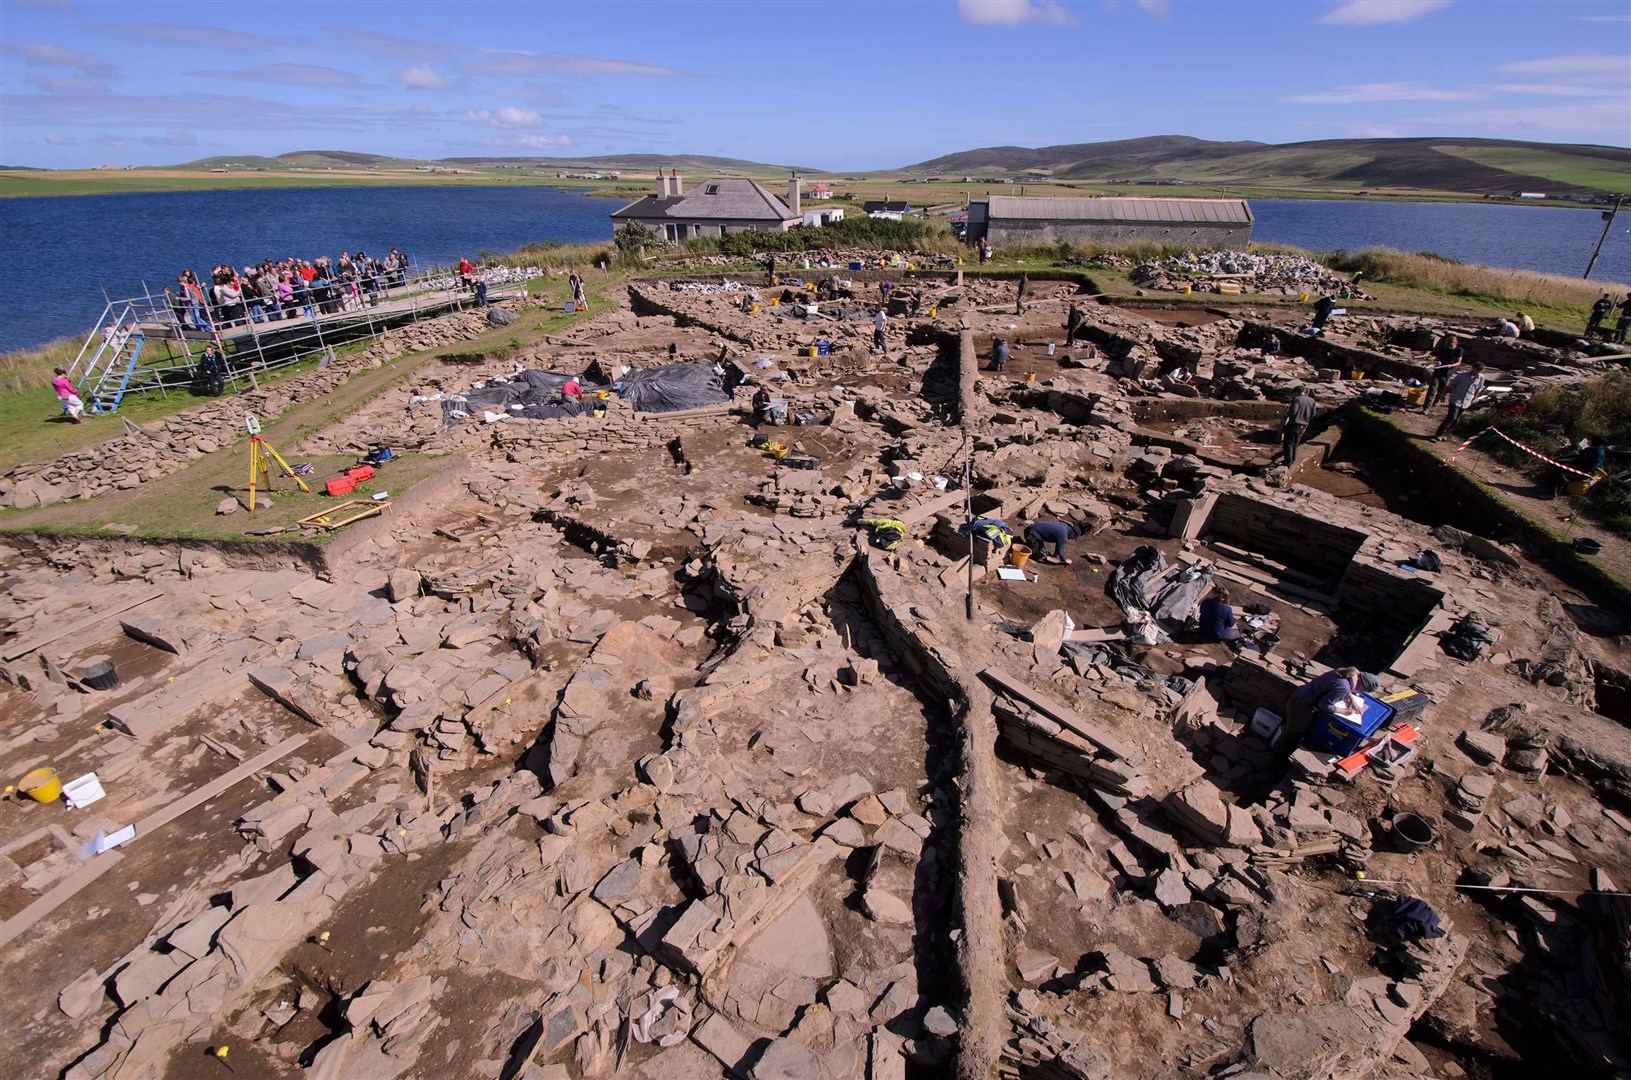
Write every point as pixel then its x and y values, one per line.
pixel 1045 231
pixel 1295 539
pixel 1395 603
pixel 169 445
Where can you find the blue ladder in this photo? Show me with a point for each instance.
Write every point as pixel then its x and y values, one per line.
pixel 134 343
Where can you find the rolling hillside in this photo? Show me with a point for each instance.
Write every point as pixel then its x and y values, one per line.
pixel 1472 166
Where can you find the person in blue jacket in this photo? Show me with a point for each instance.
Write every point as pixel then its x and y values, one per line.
pixel 1042 535
pixel 1217 618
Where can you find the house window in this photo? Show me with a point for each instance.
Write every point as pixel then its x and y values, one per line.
pixel 671 232
pixel 711 189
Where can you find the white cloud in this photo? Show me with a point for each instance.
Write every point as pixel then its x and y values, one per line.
pixel 1575 64
pixel 54 139
pixel 1159 8
pixel 422 77
pixel 1380 12
pixel 1370 92
pixel 1558 89
pixel 1594 121
pixel 508 116
pixel 202 112
pixel 1371 131
pixel 1015 12
pixel 38 54
pixel 502 64
pixel 64 84
pixel 287 75
pixel 393 46
pixel 542 142
pixel 169 138
pixel 200 37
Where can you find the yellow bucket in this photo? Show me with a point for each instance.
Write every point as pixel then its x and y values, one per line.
pixel 811 351
pixel 1355 376
pixel 1187 290
pixel 754 308
pixel 1577 487
pixel 1414 395
pixel 1302 298
pixel 1019 554
pixel 42 785
pixel 933 312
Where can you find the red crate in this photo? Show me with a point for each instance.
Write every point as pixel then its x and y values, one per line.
pixel 361 473
pixel 340 485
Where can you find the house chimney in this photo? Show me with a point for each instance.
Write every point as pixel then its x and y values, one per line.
pixel 674 187
pixel 662 184
pixel 793 194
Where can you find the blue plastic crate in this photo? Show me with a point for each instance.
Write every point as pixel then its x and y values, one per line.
pixel 1341 736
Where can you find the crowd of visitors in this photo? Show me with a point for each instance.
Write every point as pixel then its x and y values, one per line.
pixel 283 289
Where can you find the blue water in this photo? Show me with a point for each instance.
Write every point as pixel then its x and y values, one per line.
pixel 1553 239
pixel 57 255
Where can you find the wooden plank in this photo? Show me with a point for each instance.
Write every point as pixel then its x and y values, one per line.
pixel 1097 633
pixel 14 649
pixel 926 510
pixel 57 896
pixel 1060 713
pixel 199 796
pixel 101 864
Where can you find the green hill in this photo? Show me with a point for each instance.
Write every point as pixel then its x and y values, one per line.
pixel 1471 166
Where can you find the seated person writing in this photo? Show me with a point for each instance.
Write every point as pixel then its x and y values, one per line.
pixel 1217 618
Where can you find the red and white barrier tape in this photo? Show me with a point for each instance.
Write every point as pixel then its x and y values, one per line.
pixel 1526 449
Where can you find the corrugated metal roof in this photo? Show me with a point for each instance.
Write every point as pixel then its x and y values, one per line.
pixel 1144 211
pixel 713 200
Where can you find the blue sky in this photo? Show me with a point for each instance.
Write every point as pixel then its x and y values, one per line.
pixel 841 85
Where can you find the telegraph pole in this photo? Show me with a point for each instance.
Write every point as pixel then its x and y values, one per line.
pixel 1608 223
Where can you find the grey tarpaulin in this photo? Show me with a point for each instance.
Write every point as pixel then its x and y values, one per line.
pixel 1129 581
pixel 534 395
pixel 673 387
pixel 1176 601
pixel 1173 601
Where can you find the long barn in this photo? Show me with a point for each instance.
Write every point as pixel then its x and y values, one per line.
pixel 1202 223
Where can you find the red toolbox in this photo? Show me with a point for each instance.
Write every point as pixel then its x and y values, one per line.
pixel 360 474
pixel 340 485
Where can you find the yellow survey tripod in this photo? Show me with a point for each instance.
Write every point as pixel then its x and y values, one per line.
pixel 259 451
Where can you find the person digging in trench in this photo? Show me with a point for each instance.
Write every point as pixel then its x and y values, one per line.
pixel 1040 536
pixel 1000 354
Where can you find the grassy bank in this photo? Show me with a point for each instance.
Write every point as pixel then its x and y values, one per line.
pixel 1600 409
pixel 183 504
pixel 34 429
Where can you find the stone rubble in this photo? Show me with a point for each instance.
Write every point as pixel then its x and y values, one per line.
pixel 628 753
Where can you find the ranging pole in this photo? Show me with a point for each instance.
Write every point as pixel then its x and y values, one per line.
pixel 1608 223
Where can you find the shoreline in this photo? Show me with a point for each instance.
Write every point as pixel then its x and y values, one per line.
pixel 275 182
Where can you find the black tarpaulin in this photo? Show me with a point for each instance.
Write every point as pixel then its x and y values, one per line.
pixel 673 387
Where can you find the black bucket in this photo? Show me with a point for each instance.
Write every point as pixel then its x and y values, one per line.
pixel 1585 545
pixel 1411 832
pixel 100 676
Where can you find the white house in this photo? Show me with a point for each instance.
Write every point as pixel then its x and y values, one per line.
pixel 814 219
